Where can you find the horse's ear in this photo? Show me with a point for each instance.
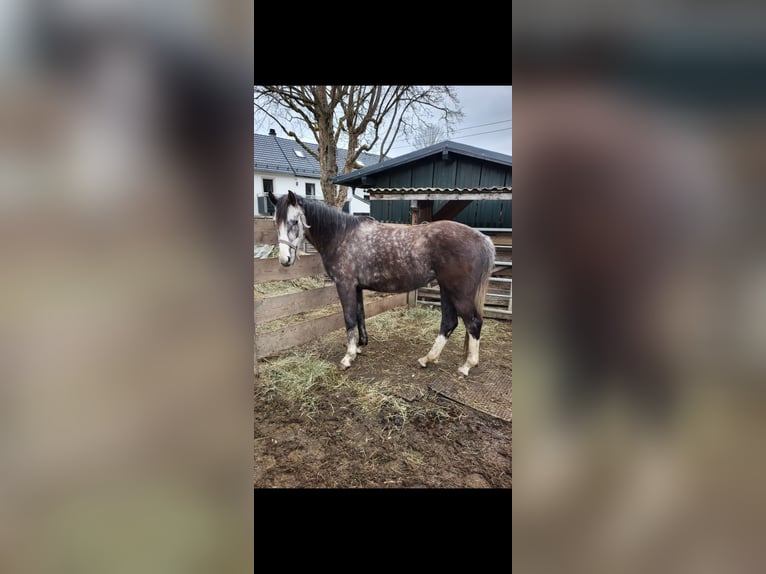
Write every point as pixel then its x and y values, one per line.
pixel 272 198
pixel 291 199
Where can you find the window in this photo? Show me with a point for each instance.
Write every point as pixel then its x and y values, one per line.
pixel 310 190
pixel 268 186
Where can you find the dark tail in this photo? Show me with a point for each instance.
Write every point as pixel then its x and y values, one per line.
pixel 489 263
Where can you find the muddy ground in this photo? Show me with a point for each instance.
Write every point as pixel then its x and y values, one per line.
pixel 358 430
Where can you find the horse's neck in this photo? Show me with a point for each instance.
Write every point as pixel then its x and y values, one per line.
pixel 323 234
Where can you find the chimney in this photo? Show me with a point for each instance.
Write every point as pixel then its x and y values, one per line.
pixel 272 132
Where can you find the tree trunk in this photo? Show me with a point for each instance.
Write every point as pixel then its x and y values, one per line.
pixel 328 165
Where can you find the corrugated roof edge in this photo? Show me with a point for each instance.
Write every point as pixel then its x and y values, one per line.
pixel 438 148
pixel 412 190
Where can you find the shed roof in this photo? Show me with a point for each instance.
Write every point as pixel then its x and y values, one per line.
pixel 496 192
pixel 446 147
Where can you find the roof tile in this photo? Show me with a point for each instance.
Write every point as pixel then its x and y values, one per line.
pixel 275 154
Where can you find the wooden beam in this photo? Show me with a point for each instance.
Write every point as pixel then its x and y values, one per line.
pixel 450 210
pixel 425 210
pixel 493 313
pixel 270 344
pixel 271 270
pixel 488 195
pixel 502 239
pixel 271 308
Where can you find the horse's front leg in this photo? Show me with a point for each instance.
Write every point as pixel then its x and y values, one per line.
pixel 360 319
pixel 348 299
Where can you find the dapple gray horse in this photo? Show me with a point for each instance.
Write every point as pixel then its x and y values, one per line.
pixel 361 253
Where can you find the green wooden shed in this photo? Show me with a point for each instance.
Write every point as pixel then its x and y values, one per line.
pixel 442 181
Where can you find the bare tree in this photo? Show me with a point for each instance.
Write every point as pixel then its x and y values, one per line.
pixel 358 118
pixel 428 134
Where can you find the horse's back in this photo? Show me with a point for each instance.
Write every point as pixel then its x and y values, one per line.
pixel 459 240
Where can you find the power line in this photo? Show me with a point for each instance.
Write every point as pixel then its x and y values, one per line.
pixel 483 125
pixel 482 133
pixel 460 137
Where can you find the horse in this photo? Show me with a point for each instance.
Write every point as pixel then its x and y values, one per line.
pixel 361 253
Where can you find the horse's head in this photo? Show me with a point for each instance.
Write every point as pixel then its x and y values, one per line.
pixel 290 219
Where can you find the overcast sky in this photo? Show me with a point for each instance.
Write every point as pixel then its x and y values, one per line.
pixel 482 105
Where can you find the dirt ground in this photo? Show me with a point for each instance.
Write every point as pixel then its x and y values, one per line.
pixel 378 425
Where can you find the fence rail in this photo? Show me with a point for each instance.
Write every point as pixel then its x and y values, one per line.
pixel 304 332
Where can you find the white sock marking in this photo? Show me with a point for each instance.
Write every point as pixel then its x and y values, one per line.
pixel 473 356
pixel 351 351
pixel 433 354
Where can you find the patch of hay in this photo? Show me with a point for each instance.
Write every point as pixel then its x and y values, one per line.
pixel 274 288
pixel 294 377
pixel 306 382
pixel 422 323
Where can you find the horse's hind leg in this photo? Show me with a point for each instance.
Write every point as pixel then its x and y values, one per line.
pixel 449 322
pixel 473 323
pixel 360 319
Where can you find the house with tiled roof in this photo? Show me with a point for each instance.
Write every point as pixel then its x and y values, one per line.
pixel 281 164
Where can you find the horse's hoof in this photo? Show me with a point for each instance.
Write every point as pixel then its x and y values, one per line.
pixel 463 370
pixel 342 367
pixel 423 362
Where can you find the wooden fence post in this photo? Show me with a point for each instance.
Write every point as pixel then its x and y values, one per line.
pixel 255 355
pixel 412 299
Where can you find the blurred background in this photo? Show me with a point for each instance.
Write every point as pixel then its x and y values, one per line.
pixel 125 272
pixel 641 275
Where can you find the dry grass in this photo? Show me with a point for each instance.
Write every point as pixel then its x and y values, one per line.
pixel 307 382
pixel 274 288
pixel 294 377
pixel 422 324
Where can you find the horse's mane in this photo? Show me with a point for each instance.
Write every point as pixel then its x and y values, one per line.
pixel 326 222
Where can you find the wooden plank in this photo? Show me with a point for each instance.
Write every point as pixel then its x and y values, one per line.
pixel 502 239
pixel 491 176
pixel 489 312
pixel 270 344
pixel 451 209
pixel 490 301
pixel 272 308
pixel 501 314
pixel 271 270
pixel 468 173
pixel 256 371
pixel 426 210
pixel 423 175
pixel 264 232
pixel 488 195
pixel 445 173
